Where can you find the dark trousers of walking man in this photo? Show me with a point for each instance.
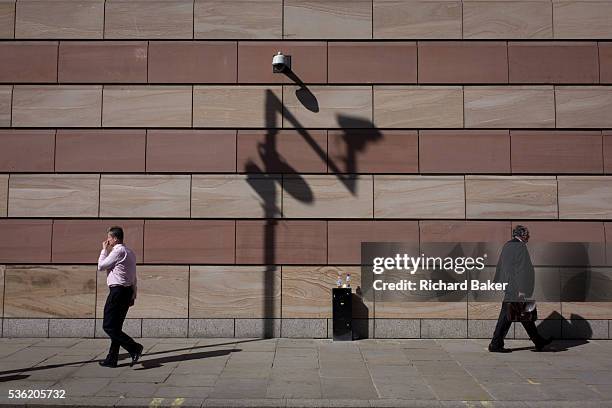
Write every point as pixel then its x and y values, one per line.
pixel 115 310
pixel 503 325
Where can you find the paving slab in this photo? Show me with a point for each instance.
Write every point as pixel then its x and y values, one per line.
pixel 282 388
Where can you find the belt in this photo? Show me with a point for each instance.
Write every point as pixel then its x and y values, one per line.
pixel 119 286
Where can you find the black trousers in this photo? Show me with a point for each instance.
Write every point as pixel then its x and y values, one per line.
pixel 115 310
pixel 503 325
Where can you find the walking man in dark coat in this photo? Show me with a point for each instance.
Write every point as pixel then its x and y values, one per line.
pixel 515 268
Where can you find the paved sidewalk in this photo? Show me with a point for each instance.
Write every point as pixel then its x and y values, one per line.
pixel 310 373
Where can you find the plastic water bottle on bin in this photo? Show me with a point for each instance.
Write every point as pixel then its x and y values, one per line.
pixel 347 280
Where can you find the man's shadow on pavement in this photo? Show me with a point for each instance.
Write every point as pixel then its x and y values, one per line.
pixel 551 325
pixel 575 276
pixel 17 374
pixel 159 362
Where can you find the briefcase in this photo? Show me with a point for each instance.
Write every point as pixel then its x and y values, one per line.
pixel 522 311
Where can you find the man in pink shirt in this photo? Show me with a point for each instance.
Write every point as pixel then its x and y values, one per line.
pixel 119 262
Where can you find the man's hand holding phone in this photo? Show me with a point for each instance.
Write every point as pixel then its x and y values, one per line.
pixel 106 246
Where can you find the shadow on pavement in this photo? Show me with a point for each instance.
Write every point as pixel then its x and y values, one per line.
pixel 15 374
pixel 556 321
pixel 158 362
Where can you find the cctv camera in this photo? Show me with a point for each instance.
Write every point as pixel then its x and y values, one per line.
pixel 281 62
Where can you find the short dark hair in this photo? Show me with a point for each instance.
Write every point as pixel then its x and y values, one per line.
pixel 116 232
pixel 520 231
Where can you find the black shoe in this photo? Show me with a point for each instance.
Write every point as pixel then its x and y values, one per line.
pixel 499 349
pixel 108 363
pixel 539 346
pixel 136 355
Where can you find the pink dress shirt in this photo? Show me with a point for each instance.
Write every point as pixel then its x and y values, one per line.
pixel 120 266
